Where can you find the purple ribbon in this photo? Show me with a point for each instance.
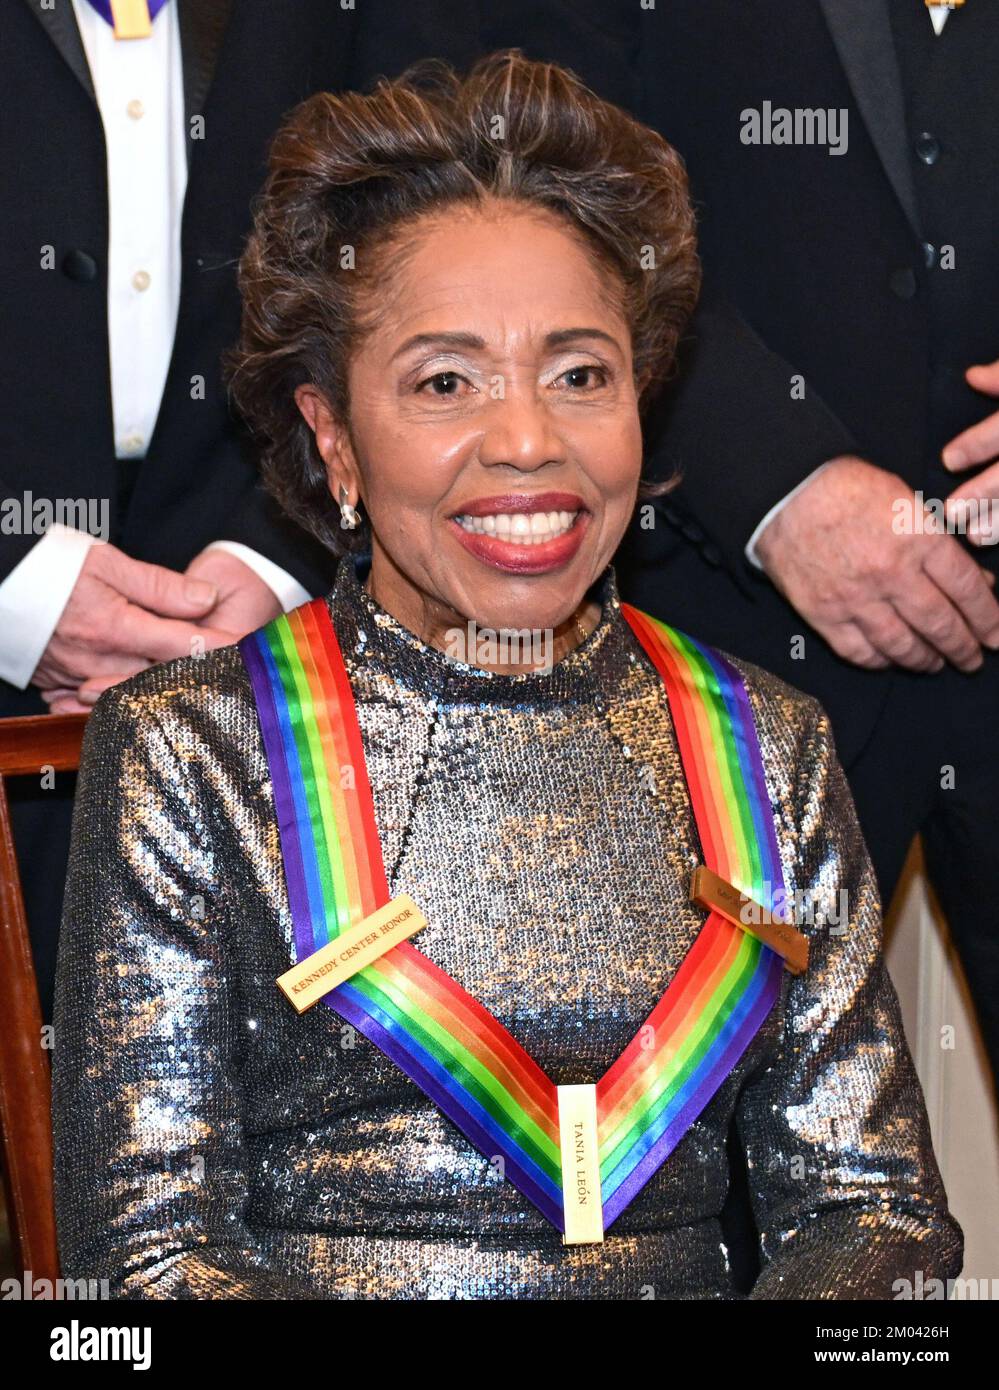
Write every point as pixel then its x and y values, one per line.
pixel 103 8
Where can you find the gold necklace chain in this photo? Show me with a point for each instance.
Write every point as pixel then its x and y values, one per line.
pixel 581 630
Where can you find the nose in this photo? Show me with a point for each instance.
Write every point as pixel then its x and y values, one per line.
pixel 520 431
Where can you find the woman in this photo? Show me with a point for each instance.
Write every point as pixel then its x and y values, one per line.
pixel 457 296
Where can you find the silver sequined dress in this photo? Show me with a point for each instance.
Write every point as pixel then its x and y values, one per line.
pixel 210 1143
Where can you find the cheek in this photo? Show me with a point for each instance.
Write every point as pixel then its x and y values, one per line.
pixel 614 455
pixel 410 467
pixel 387 455
pixel 407 473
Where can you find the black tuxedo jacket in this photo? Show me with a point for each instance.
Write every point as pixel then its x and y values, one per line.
pixel 819 256
pixel 245 65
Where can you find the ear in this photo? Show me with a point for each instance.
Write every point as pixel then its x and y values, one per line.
pixel 332 441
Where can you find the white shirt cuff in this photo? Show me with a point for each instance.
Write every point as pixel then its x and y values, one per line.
pixel 285 587
pixel 750 551
pixel 33 596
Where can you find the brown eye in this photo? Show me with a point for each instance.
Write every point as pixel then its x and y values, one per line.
pixel 442 384
pixel 584 378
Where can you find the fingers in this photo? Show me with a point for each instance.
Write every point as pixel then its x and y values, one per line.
pixel 156 588
pixel 925 607
pixel 981 441
pixel 896 639
pixel 73 661
pixel 962 580
pixel 847 641
pixel 58 693
pixel 113 646
pixel 984 377
pixel 67 704
pixel 974 507
pixel 69 700
pixel 162 639
pixel 92 689
pixel 117 667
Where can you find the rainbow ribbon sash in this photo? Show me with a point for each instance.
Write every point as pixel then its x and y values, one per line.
pixel 433 1029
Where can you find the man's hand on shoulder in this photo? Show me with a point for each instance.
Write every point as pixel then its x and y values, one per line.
pixel 241 603
pixel 122 616
pixel 244 601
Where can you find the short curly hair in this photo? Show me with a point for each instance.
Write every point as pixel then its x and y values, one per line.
pixel 349 175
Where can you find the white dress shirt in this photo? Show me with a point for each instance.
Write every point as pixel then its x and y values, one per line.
pixel 140 94
pixel 938 14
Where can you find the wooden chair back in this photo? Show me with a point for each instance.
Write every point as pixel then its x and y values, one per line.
pixel 27 746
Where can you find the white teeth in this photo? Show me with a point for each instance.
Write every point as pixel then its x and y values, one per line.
pixel 520 528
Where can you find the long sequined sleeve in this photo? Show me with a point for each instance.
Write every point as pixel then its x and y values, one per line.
pixel 847 1194
pixel 149 1153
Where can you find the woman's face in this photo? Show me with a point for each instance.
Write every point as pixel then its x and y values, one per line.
pixel 494 438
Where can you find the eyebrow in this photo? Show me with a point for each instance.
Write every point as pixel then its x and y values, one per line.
pixel 568 335
pixel 472 341
pixel 452 340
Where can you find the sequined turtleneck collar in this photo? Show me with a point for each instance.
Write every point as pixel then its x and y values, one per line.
pixel 366 631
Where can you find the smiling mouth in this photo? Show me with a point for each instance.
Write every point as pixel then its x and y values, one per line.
pixel 519 528
pixel 523 533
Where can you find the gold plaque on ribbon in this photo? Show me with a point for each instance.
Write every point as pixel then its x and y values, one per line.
pixel 713 893
pixel 131 19
pixel 582 1204
pixel 307 982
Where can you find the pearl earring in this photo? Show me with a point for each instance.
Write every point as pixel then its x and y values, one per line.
pixel 348 513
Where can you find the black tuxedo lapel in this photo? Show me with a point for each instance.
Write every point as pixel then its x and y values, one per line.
pixel 202 26
pixel 59 22
pixel 861 31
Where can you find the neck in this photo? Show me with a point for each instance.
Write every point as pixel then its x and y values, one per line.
pixel 440 626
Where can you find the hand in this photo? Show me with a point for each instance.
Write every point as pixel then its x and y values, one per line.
pixel 122 616
pixel 977 445
pixel 876 596
pixel 243 603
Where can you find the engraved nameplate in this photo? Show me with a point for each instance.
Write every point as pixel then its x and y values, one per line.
pixel 581 1200
pixel 307 982
pixel 712 892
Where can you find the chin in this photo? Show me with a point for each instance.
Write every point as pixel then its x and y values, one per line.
pixel 521 603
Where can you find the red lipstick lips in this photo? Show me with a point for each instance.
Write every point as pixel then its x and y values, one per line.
pixel 514 557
